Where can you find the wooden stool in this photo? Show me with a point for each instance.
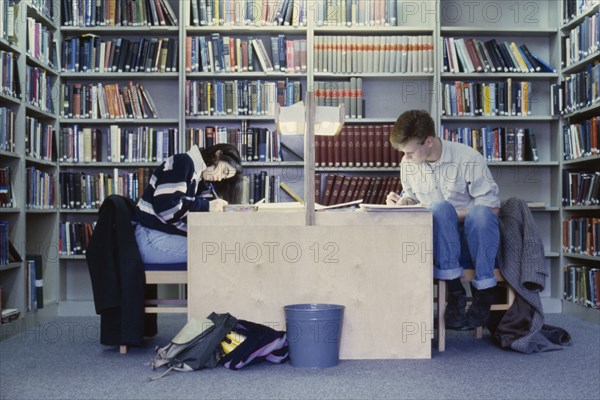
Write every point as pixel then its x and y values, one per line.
pixel 164 274
pixel 468 275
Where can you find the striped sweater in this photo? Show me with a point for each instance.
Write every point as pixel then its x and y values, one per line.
pixel 175 188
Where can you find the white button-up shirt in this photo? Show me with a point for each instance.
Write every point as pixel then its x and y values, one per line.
pixel 461 176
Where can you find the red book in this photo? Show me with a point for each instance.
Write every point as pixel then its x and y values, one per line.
pixel 363 186
pixel 329 182
pixel 318 140
pixel 330 151
pixel 345 185
pixel 477 63
pixel 337 189
pixel 386 146
pixel 358 145
pixel 318 188
pixel 379 137
pixel 352 189
pixel 343 139
pixel 337 150
pixel 364 145
pixel 349 138
pixel 371 149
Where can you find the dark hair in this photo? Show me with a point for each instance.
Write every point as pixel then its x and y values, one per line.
pixel 229 189
pixel 412 124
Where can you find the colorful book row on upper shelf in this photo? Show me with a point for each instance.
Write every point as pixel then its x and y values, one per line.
pixel 473 55
pixel 228 54
pixel 117 13
pixel 91 54
pixel 504 98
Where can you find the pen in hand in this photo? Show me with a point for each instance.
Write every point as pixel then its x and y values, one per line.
pixel 212 190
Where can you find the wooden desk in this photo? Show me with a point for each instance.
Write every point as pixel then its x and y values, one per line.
pixel 378 265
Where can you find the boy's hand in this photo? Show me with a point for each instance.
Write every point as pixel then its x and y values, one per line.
pixel 392 199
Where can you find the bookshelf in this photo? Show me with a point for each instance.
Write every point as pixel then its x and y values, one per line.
pixel 107 55
pixel 580 54
pixel 533 24
pixel 28 125
pixel 394 56
pixel 340 34
pixel 260 62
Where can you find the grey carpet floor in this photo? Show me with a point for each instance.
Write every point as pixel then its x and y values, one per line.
pixel 62 359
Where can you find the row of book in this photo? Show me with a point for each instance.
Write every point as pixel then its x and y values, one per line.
pixel 74 237
pixel 581 188
pixel 571 9
pixel 39 140
pixel 582 41
pixel 333 189
pixel 239 97
pixel 260 186
pixel 39 88
pixel 115 144
pixel 496 143
pixel 472 55
pixel 40 193
pixel 228 54
pixel 34 282
pixel 117 13
pixel 248 12
pixel 47 8
pixel 374 54
pixel 6 195
pixel 92 54
pixel 357 146
pixel 108 101
pixel 581 235
pixel 79 190
pixel 253 143
pixel 366 12
pixel 576 91
pixel 581 140
pixel 348 92
pixel 9 74
pixel 4 239
pixel 8 12
pixel 582 285
pixel 40 43
pixel 7 129
pixel 504 98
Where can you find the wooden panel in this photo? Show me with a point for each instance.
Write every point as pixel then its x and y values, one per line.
pixel 381 272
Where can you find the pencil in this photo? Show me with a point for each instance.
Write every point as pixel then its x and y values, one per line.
pixel 212 190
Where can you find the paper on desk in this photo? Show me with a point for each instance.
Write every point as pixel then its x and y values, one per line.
pixel 319 207
pixel 283 206
pixel 386 208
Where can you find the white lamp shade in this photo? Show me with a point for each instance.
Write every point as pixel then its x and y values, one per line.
pixel 329 120
pixel 292 120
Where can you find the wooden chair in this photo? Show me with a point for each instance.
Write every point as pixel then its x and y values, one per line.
pixel 468 276
pixel 164 274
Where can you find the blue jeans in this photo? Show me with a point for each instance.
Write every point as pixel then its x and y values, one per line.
pixel 158 247
pixel 459 245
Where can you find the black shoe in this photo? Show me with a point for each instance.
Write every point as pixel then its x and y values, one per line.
pixel 479 312
pixel 456 316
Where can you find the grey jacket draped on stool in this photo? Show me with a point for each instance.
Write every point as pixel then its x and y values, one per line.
pixel 522 262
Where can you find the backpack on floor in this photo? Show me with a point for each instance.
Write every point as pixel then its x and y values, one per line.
pixel 254 343
pixel 196 346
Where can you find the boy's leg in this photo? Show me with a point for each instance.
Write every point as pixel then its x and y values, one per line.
pixel 483 238
pixel 446 252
